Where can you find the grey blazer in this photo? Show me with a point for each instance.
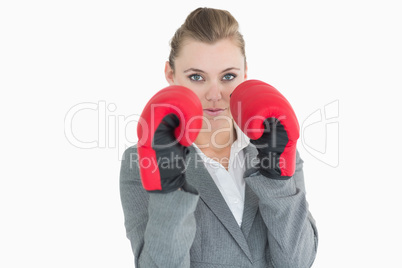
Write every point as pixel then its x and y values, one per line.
pixel 195 227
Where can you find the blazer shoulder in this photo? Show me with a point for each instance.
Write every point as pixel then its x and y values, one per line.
pixel 130 164
pixel 299 160
pixel 130 149
pixel 129 154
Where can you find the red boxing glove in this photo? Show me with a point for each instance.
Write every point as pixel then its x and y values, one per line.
pixel 169 123
pixel 268 119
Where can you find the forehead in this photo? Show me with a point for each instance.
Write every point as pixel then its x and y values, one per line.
pixel 210 57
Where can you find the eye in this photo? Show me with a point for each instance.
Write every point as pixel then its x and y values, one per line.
pixel 196 77
pixel 228 77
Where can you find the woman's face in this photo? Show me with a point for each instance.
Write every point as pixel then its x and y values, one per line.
pixel 212 72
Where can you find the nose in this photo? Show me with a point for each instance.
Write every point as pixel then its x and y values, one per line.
pixel 213 93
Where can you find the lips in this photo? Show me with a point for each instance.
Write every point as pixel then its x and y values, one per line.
pixel 214 111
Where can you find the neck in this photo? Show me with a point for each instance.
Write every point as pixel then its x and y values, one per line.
pixel 218 139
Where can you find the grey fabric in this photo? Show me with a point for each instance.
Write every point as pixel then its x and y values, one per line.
pixel 195 227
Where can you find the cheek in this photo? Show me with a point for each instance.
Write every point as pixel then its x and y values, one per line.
pixel 185 82
pixel 226 94
pixel 197 90
pixel 232 88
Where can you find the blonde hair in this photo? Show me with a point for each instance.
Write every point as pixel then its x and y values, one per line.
pixel 206 25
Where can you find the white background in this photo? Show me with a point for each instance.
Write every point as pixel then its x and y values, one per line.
pixel 59 202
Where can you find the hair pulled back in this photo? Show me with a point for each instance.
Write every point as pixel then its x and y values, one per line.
pixel 207 25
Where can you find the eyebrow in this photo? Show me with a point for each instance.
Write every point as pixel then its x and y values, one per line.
pixel 201 71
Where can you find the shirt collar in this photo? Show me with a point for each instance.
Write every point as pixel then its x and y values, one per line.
pixel 242 140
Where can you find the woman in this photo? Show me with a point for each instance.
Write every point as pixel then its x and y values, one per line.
pixel 223 210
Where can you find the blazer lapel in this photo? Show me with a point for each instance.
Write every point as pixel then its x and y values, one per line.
pixel 251 199
pixel 212 197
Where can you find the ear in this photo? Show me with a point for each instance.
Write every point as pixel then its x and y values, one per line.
pixel 169 74
pixel 245 72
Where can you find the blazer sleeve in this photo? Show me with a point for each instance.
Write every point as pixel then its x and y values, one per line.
pixel 292 233
pixel 160 227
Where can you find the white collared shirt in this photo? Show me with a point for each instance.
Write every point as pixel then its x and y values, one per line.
pixel 230 182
